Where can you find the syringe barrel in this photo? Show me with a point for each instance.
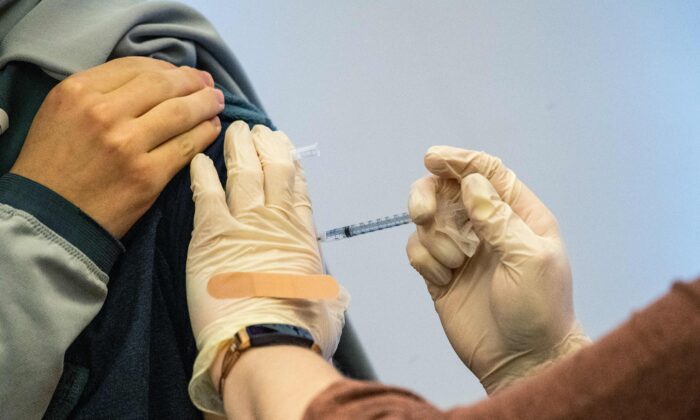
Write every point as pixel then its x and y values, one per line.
pixel 379 224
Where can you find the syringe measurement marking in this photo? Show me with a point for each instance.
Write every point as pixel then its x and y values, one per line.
pixel 374 225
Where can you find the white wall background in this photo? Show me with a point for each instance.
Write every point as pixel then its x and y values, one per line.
pixel 596 106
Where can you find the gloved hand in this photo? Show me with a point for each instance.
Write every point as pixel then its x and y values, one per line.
pixel 508 309
pixel 262 223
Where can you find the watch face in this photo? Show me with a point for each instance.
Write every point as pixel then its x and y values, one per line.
pixel 268 334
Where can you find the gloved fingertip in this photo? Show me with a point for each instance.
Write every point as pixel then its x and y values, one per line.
pixel 200 156
pixel 478 195
pixel 446 161
pixel 259 129
pixel 441 151
pixel 421 211
pixel 236 128
pixel 196 164
pixel 422 202
pixel 282 137
pixel 203 175
pixel 239 124
pixel 433 159
pixel 425 264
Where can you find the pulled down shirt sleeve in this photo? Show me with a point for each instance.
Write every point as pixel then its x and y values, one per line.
pixel 50 289
pixel 647 368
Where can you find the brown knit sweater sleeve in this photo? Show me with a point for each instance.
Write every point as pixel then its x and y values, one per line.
pixel 647 368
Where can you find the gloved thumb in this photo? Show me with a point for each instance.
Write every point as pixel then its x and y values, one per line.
pixel 208 194
pixel 494 221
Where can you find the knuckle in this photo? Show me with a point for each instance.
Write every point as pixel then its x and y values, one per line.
pixel 186 147
pixel 193 75
pixel 142 174
pixel 547 256
pixel 165 65
pixel 188 79
pixel 69 88
pixel 157 81
pixel 179 110
pixel 101 115
pixel 261 131
pixel 212 95
pixel 115 141
pixel 146 62
pixel 211 130
pixel 488 165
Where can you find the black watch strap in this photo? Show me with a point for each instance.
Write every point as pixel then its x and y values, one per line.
pixel 262 335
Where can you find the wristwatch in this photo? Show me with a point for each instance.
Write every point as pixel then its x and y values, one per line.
pixel 262 335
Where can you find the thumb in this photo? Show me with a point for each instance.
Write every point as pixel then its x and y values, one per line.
pixel 494 221
pixel 208 194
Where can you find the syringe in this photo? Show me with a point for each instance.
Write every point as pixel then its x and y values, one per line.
pixel 459 228
pixel 380 224
pixel 365 227
pixel 455 222
pixel 304 152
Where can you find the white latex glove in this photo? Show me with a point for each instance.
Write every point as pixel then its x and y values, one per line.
pixel 262 223
pixel 507 310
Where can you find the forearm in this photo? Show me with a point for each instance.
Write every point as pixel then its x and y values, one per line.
pixel 647 368
pixel 276 382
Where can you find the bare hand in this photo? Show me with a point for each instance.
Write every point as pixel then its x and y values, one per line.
pixel 109 139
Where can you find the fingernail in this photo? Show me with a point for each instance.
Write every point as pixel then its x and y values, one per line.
pixel 207 78
pixel 219 96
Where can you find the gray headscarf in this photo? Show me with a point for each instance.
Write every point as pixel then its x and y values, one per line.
pixel 63 37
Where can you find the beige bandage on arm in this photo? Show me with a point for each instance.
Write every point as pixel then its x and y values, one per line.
pixel 287 286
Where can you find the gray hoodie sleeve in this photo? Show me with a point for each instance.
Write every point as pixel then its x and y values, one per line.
pixel 49 292
pixel 54 261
